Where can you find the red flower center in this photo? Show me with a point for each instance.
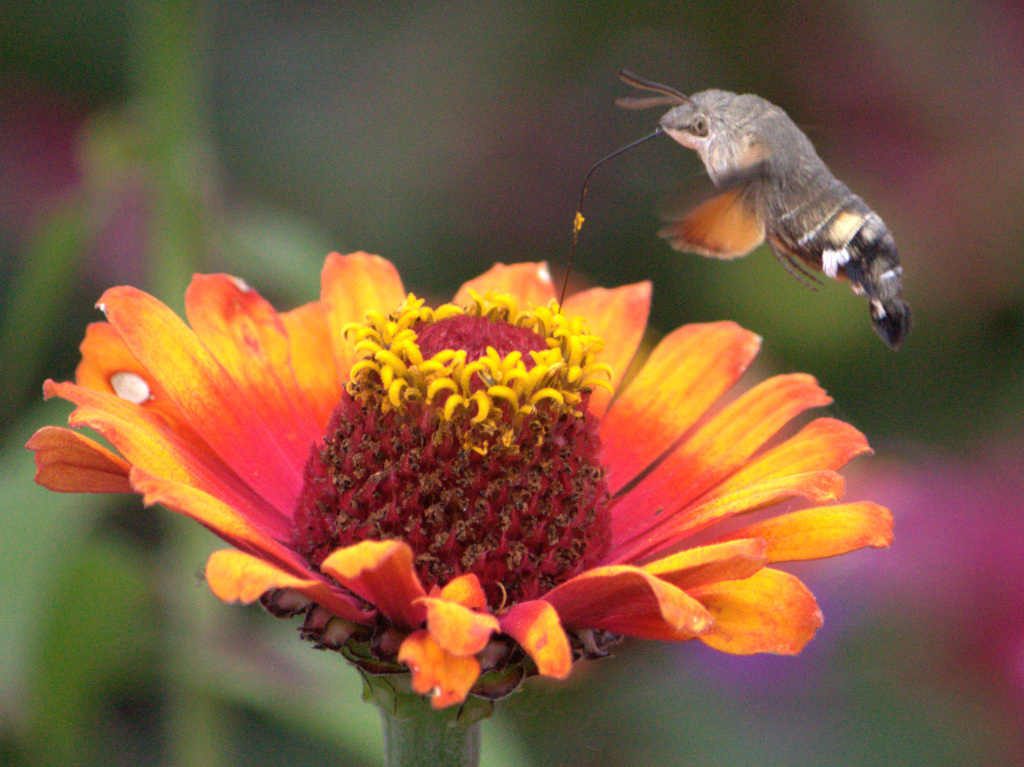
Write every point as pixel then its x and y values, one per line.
pixel 475 334
pixel 526 511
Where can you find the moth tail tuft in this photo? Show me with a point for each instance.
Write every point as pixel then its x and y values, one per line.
pixel 892 319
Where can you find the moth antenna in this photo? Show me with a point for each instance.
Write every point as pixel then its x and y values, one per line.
pixel 645 102
pixel 577 221
pixel 668 93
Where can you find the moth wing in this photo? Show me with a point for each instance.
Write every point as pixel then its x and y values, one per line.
pixel 725 226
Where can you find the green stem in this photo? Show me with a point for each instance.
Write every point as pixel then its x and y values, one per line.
pixel 168 60
pixel 416 734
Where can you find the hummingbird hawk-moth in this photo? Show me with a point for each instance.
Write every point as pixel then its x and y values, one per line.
pixel 771 185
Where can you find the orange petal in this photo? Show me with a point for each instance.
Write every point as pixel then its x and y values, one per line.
pixel 529 284
pixel 824 443
pixel 536 627
pixel 607 596
pixel 458 629
pixel 466 591
pixel 226 521
pixel 664 534
pixel 728 561
pixel 315 371
pixel 446 678
pixel 235 576
pixel 108 366
pixel 350 286
pixel 148 443
pixel 685 374
pixel 381 572
pixel 103 353
pixel 107 361
pixel 248 339
pixel 227 419
pixel 771 611
pixel 718 448
pixel 619 316
pixel 70 463
pixel 824 532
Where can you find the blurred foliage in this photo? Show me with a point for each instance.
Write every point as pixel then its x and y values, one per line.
pixel 140 142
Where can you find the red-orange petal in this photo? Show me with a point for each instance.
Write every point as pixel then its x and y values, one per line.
pixel 350 286
pixel 445 677
pixel 225 520
pixel 646 625
pixel 382 573
pixel 535 625
pixel 71 463
pixel 236 576
pixel 315 371
pixel 226 417
pixel 824 443
pixel 771 611
pixel 619 316
pixel 685 374
pixel 530 284
pixel 822 532
pixel 718 448
pixel 727 561
pixel 146 442
pixel 609 596
pixel 249 340
pixel 458 629
pixel 815 486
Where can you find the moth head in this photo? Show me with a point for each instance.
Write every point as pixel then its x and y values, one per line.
pixel 689 124
pixel 703 122
pixel 691 121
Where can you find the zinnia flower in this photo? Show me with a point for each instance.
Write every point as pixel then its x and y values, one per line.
pixel 474 493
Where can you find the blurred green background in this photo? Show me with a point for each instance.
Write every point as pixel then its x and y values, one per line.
pixel 140 142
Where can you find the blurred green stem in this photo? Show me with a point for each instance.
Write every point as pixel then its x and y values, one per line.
pixel 168 58
pixel 416 734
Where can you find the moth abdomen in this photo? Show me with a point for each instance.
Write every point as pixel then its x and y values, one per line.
pixel 874 269
pixel 840 235
pixel 874 263
pixel 819 229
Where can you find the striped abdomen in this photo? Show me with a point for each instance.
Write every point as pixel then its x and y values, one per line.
pixel 836 233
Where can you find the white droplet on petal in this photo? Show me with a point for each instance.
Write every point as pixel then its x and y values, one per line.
pixel 544 273
pixel 240 284
pixel 130 386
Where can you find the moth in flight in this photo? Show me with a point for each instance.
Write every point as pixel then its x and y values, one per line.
pixel 771 185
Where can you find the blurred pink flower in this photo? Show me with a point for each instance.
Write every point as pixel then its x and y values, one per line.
pixel 961 554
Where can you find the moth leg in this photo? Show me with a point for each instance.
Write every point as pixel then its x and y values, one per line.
pixel 797 270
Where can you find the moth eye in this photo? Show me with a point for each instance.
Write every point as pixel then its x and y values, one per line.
pixel 699 126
